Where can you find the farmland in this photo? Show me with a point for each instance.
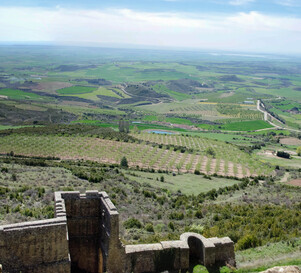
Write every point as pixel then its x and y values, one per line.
pixel 200 156
pixel 236 163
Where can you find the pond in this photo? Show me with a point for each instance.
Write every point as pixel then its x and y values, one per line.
pixel 161 132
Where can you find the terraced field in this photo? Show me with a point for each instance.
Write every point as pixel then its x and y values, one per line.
pixel 229 161
pixel 224 154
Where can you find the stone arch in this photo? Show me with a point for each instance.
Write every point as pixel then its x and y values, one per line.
pixel 196 250
pixel 198 246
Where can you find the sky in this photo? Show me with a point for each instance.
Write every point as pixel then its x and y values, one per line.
pixel 268 26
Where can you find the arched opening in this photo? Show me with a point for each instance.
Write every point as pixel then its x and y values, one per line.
pixel 196 251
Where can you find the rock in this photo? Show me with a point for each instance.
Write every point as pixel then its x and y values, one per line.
pixel 283 269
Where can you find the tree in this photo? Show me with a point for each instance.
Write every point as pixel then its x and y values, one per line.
pixel 124 126
pixel 299 151
pixel 283 154
pixel 124 162
pixel 210 151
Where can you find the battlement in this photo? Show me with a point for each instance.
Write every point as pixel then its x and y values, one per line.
pixel 84 237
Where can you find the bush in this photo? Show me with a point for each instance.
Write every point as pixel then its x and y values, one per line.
pixel 197 172
pixel 124 163
pixel 149 227
pixel 132 223
pixel 199 214
pixel 176 216
pixel 283 154
pixel 225 269
pixel 196 228
pixel 171 226
pixel 248 241
pixel 210 151
pixel 200 269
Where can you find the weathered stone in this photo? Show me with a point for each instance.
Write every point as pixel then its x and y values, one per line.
pixel 283 269
pixel 84 236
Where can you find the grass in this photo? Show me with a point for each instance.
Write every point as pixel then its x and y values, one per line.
pixel 126 72
pixel 274 250
pixel 232 138
pixel 251 125
pixel 31 107
pixel 146 156
pixel 19 94
pixel 265 132
pixel 186 183
pixel 74 90
pixel 5 127
pixel 88 110
pixel 223 151
pixel 168 119
pixel 274 254
pixel 160 88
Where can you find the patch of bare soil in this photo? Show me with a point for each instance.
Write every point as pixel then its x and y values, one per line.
pixel 226 95
pixel 295 182
pixel 290 141
pixel 51 86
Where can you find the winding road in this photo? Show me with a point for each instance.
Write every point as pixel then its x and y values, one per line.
pixel 260 107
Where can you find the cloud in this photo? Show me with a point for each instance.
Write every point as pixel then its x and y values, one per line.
pixel 252 31
pixel 240 2
pixel 289 3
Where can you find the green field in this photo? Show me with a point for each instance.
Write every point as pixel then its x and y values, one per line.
pixel 176 95
pixel 19 94
pixel 227 160
pixel 246 125
pixel 73 90
pixel 186 183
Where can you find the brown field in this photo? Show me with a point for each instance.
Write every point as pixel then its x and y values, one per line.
pixel 295 182
pixel 226 95
pixel 51 86
pixel 290 141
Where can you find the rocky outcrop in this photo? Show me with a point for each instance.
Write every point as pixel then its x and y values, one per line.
pixel 283 269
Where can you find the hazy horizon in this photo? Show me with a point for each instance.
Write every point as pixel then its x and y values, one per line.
pixel 268 26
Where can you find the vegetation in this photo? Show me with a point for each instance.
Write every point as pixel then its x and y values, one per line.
pixel 175 139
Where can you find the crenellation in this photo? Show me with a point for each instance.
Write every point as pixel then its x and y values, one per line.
pixel 85 236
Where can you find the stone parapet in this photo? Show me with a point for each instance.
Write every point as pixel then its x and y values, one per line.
pixel 35 246
pixel 84 237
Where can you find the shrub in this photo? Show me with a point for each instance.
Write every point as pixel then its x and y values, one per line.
pixel 225 269
pixel 199 214
pixel 196 228
pixel 132 223
pixel 171 226
pixel 248 241
pixel 197 172
pixel 210 151
pixel 149 227
pixel 283 154
pixel 124 163
pixel 200 269
pixel 176 216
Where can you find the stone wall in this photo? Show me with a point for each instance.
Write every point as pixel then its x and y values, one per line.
pixel 173 256
pixel 39 246
pixel 93 231
pixel 84 237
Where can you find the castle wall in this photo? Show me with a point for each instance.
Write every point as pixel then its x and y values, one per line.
pixel 84 237
pixel 93 231
pixel 164 256
pixel 39 246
